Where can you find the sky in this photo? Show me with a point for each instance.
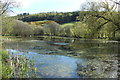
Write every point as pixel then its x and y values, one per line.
pixel 38 6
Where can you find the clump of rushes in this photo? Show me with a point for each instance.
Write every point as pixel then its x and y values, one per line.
pixel 17 66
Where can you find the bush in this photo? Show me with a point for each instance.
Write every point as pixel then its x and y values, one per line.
pixel 80 30
pixel 22 29
pixel 38 31
pixel 67 31
pixel 7 26
pixel 52 29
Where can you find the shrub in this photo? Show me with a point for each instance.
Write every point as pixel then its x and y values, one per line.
pixel 22 29
pixel 52 29
pixel 38 31
pixel 80 30
pixel 7 25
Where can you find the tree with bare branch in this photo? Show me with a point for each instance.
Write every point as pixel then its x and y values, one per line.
pixel 6 6
pixel 116 2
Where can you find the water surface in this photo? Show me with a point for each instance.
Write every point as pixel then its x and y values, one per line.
pixel 68 58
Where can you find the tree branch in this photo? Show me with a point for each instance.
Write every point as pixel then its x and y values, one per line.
pixel 115 2
pixel 109 20
pixel 100 26
pixel 5 7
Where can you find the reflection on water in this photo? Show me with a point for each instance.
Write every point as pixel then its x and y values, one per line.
pixel 69 58
pixel 52 66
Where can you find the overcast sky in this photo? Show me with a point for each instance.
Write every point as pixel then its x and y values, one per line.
pixel 37 6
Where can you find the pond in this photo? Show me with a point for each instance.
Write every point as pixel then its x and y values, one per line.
pixel 68 57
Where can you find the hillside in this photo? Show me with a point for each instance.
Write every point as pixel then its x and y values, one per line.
pixel 59 17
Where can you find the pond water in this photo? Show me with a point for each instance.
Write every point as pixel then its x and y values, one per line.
pixel 68 58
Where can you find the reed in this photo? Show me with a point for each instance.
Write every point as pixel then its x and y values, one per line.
pixel 17 66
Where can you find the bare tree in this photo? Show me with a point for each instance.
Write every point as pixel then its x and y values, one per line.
pixel 116 2
pixel 6 6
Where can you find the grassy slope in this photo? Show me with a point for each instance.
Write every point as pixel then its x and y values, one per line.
pixel 40 23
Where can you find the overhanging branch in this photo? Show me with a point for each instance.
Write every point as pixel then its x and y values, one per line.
pixel 108 20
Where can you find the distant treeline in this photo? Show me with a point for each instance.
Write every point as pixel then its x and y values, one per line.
pixel 59 17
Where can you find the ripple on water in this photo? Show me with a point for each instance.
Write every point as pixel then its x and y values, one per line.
pixel 52 66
